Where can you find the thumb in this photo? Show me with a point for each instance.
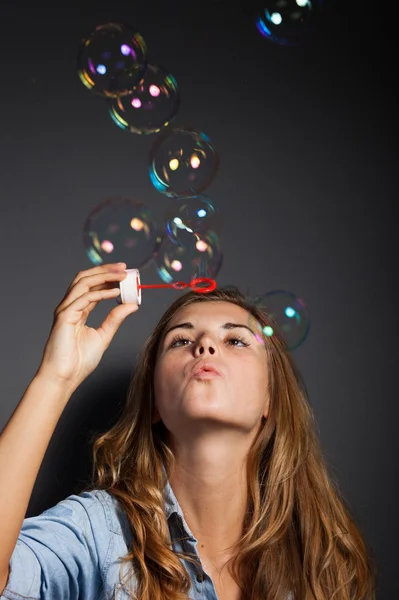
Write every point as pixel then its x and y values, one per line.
pixel 114 320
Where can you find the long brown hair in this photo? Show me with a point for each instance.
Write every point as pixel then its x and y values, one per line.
pixel 299 535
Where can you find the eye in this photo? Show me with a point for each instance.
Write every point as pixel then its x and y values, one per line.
pixel 235 338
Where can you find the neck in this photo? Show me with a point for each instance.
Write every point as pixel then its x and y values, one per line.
pixel 209 482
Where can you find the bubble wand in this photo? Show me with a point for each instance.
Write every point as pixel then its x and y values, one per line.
pixel 131 286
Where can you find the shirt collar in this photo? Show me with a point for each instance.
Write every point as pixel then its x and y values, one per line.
pixel 172 506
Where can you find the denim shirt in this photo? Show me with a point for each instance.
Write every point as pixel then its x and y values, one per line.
pixel 71 551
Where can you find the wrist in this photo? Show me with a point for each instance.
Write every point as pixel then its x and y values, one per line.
pixel 57 385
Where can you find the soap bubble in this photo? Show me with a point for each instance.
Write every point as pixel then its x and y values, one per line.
pixel 288 314
pixel 183 162
pixel 288 22
pixel 148 106
pixel 201 258
pixel 194 214
pixel 121 230
pixel 109 52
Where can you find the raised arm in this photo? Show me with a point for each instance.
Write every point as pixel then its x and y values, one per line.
pixel 72 352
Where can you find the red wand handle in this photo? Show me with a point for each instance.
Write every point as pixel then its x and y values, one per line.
pixel 194 284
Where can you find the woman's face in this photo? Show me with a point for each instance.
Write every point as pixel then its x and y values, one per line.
pixel 237 398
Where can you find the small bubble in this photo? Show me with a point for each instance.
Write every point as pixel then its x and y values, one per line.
pixel 109 52
pixel 183 162
pixel 121 229
pixel 193 214
pixel 288 315
pixel 149 106
pixel 201 257
pixel 288 22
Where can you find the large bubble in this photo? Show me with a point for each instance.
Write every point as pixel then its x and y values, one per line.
pixel 111 50
pixel 183 162
pixel 288 315
pixel 201 258
pixel 121 230
pixel 149 106
pixel 288 22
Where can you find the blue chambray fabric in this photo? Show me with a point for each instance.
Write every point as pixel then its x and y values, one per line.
pixel 71 551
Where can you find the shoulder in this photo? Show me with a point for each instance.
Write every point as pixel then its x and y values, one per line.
pixel 77 542
pixel 97 507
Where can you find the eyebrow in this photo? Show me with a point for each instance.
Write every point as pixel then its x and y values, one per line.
pixel 189 325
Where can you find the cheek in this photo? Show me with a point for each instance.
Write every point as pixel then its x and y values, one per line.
pixel 165 379
pixel 158 379
pixel 251 378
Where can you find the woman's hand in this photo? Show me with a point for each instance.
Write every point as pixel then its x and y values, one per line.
pixel 74 350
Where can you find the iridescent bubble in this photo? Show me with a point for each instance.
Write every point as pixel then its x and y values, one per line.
pixel 121 229
pixel 148 106
pixel 110 51
pixel 193 214
pixel 288 22
pixel 201 258
pixel 183 162
pixel 288 314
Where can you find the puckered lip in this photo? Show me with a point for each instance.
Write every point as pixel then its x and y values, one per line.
pixel 205 366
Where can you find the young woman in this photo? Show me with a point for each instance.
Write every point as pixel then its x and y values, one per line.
pixel 212 484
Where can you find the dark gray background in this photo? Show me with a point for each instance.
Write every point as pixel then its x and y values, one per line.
pixel 307 139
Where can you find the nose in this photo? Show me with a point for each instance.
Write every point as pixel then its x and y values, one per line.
pixel 205 346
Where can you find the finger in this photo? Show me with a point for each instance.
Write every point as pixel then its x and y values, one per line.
pixel 101 281
pixel 97 270
pixel 91 283
pixel 94 271
pixel 92 305
pixel 80 308
pixel 114 320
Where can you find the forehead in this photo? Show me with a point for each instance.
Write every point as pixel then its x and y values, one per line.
pixel 217 312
